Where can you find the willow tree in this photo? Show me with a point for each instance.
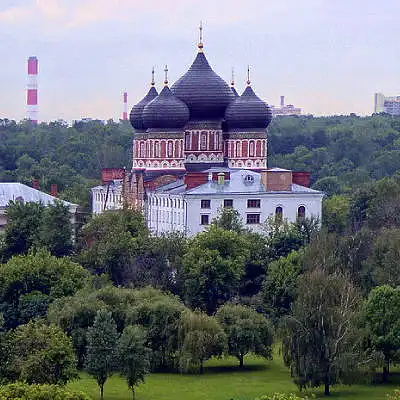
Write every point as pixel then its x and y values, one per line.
pixel 319 339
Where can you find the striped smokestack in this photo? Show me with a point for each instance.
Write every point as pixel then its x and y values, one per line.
pixel 125 113
pixel 32 89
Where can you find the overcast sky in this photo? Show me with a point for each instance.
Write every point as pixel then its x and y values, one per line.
pixel 328 57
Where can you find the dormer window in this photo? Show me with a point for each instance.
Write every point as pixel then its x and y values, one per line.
pixel 249 179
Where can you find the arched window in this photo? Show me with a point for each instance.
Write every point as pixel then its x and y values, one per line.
pixel 301 212
pixel 187 141
pixel 238 149
pixel 251 149
pixel 157 149
pixel 278 214
pixel 170 149
pixel 203 142
pixel 142 150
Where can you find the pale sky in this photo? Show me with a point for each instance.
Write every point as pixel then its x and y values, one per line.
pixel 325 56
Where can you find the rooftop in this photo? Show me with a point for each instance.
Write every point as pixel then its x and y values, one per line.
pixel 12 191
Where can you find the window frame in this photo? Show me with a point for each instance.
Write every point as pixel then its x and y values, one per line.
pixel 257 203
pixel 231 203
pixel 256 216
pixel 206 220
pixel 205 204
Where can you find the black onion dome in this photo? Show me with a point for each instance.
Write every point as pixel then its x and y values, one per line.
pixel 136 115
pixel 206 94
pixel 165 111
pixel 248 112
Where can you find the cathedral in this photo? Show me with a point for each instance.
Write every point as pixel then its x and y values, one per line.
pixel 199 146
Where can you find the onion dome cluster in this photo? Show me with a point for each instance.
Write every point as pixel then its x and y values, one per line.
pixel 200 95
pixel 248 111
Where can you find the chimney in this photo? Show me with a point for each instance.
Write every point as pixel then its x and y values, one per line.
pixel 36 184
pixel 194 179
pixel 54 189
pixel 277 180
pixel 282 101
pixel 302 178
pixel 32 90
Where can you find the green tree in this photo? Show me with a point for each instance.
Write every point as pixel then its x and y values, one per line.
pixel 102 339
pixel 336 213
pixel 159 314
pixel 382 319
pixel 279 287
pixel 383 263
pixel 28 283
pixel 23 221
pixel 213 266
pixel 110 242
pixel 246 331
pixel 230 220
pixel 318 338
pixel 133 356
pixel 55 230
pixel 200 337
pixel 42 354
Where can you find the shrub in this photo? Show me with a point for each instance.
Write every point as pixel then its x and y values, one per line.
pixel 22 391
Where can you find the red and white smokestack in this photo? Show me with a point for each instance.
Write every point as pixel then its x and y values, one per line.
pixel 32 89
pixel 125 113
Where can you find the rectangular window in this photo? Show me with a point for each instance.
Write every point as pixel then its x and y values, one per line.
pixel 228 203
pixel 253 219
pixel 205 204
pixel 205 219
pixel 253 203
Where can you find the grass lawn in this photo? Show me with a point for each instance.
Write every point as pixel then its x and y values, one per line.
pixel 223 381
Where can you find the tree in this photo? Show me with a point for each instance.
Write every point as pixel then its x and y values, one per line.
pixel 246 331
pixel 133 356
pixel 382 319
pixel 29 283
pixel 23 221
pixel 159 314
pixel 279 287
pixel 213 267
pixel 230 220
pixel 335 213
pixel 102 339
pixel 319 336
pixel 42 354
pixel 110 242
pixel 200 337
pixel 55 230
pixel 383 262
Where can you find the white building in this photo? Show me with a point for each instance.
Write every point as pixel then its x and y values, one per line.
pixel 256 196
pixel 107 197
pixel 14 191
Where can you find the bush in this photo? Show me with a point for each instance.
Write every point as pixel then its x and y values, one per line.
pixel 283 396
pixel 394 396
pixel 23 391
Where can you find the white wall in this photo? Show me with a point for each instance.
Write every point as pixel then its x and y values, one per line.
pixel 114 200
pixel 289 203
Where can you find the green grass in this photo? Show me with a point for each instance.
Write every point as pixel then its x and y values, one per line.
pixel 222 380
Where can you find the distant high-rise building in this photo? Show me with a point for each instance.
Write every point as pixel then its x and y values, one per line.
pixel 283 109
pixel 125 112
pixel 389 105
pixel 32 89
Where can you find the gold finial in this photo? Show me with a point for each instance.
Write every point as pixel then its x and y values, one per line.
pixel 166 75
pixel 152 77
pixel 233 77
pixel 248 76
pixel 200 45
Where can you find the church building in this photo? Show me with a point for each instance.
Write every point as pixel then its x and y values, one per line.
pixel 198 147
